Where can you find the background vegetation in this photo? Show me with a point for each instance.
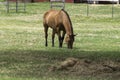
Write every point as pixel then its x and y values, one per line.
pixel 24 56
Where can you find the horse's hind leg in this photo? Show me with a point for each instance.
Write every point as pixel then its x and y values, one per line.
pixel 46 34
pixel 53 36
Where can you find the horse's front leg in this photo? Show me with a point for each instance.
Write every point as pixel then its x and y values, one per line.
pixel 60 42
pixel 60 39
pixel 53 36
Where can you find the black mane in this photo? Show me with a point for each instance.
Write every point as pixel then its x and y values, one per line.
pixel 68 18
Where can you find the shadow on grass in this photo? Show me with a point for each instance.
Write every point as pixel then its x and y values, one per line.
pixel 35 63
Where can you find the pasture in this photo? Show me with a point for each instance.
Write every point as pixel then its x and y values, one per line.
pixel 23 54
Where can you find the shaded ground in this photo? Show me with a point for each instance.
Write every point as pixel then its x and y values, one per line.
pixel 85 67
pixel 35 63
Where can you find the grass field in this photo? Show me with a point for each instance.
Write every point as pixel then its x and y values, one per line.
pixel 24 56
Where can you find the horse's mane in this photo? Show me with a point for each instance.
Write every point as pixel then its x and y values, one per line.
pixel 68 18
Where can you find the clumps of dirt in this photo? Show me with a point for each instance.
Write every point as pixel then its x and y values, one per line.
pixel 87 67
pixel 69 62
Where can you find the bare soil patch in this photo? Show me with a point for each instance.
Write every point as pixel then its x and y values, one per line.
pixel 84 67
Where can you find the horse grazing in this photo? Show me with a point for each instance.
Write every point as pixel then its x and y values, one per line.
pixel 60 23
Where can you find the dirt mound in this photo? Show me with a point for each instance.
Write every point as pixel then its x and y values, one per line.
pixel 88 67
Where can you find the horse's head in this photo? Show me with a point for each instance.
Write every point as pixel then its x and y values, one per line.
pixel 69 40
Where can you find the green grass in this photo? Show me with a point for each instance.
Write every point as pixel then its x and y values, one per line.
pixel 24 56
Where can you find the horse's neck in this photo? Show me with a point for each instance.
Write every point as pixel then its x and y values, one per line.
pixel 69 30
pixel 68 27
pixel 67 23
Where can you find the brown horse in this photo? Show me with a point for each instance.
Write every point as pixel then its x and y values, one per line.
pixel 60 22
